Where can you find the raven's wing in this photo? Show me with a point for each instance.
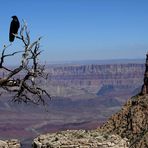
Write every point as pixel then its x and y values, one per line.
pixel 14 26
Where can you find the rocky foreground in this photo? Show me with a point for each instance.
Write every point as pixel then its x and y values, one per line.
pixel 72 139
pixel 79 139
pixel 13 143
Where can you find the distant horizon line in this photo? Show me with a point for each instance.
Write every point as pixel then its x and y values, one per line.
pixel 97 61
pixel 92 61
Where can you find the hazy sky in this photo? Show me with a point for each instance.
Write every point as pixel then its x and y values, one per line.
pixel 81 29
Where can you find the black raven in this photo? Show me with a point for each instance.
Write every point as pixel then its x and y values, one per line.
pixel 14 26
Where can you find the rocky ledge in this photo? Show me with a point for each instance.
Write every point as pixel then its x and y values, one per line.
pixel 131 122
pixel 79 139
pixel 13 143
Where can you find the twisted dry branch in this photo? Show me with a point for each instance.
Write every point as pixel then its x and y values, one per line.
pixel 23 80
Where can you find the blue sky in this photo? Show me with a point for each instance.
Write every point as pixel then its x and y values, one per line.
pixel 81 29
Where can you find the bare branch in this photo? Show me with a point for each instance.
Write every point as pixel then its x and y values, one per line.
pixel 22 81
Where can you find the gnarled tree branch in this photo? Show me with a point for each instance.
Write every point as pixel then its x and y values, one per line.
pixel 23 80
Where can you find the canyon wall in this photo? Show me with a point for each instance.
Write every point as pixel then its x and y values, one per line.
pixel 77 80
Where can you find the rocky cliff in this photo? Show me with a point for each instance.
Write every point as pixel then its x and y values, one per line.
pixel 132 120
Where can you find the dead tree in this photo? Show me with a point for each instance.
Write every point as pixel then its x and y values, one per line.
pixel 22 81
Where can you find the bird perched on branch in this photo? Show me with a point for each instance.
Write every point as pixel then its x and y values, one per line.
pixel 14 26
